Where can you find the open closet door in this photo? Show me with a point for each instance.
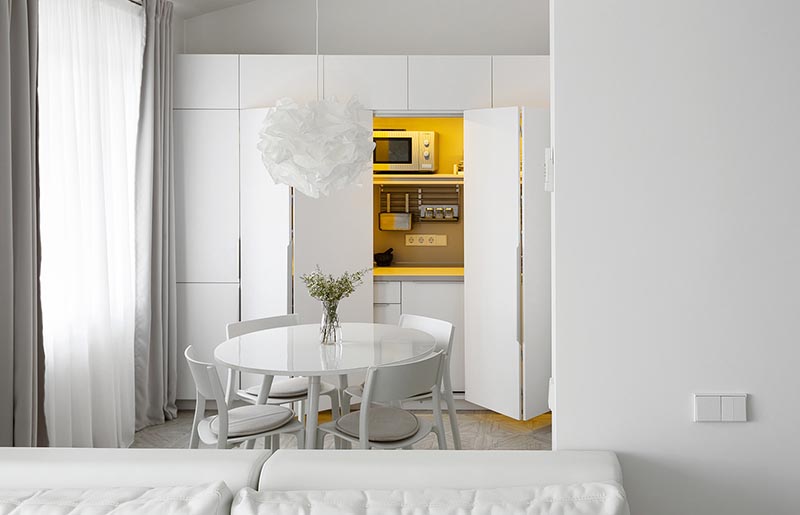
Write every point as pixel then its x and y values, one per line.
pixel 492 287
pixel 536 243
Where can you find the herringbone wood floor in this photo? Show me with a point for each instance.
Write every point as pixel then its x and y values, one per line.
pixel 479 430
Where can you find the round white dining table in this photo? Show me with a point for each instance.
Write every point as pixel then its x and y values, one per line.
pixel 297 351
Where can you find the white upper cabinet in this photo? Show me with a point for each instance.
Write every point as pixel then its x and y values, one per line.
pixel 378 81
pixel 207 195
pixel 521 80
pixel 449 82
pixel 265 79
pixel 206 81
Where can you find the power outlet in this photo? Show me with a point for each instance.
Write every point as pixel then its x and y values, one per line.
pixel 426 240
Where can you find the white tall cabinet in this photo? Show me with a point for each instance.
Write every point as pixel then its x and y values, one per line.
pixel 206 148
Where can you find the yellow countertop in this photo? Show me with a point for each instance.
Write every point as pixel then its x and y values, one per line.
pixel 421 272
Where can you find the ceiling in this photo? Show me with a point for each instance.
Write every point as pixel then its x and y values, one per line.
pixel 191 8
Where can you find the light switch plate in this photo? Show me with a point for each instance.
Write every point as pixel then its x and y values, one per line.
pixel 720 407
pixel 734 408
pixel 707 408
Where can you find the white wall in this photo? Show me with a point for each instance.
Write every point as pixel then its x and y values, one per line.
pixel 678 245
pixel 374 27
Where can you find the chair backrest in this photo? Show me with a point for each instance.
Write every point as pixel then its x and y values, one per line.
pixel 441 331
pixel 397 382
pixel 235 329
pixel 205 377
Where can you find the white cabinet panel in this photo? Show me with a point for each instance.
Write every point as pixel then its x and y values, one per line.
pixel 444 301
pixel 266 229
pixel 386 314
pixel 449 82
pixel 521 80
pixel 387 292
pixel 492 261
pixel 206 81
pixel 536 321
pixel 203 312
pixel 265 79
pixel 335 232
pixel 379 81
pixel 207 195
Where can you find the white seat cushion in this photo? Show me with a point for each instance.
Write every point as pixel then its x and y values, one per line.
pixel 254 419
pixel 213 499
pixel 579 499
pixel 358 391
pixel 286 389
pixel 385 424
pixel 294 387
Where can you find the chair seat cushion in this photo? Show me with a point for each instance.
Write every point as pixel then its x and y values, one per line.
pixel 358 391
pixel 252 420
pixel 293 387
pixel 385 424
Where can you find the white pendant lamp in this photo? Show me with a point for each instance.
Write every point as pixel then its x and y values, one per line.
pixel 316 148
pixel 319 147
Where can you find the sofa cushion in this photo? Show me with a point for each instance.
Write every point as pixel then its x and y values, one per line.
pixel 386 424
pixel 607 498
pixel 212 499
pixel 254 419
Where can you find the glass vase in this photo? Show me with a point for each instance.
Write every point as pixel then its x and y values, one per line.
pixel 330 332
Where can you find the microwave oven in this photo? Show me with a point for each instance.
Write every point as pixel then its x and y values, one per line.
pixel 405 151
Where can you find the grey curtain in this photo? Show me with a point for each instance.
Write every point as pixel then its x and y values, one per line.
pixel 21 356
pixel 155 347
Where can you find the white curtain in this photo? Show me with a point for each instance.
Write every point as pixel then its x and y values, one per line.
pixel 90 66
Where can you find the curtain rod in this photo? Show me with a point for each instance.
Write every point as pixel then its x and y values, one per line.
pixel 135 2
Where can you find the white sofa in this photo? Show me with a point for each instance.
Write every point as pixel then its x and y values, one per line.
pixel 352 481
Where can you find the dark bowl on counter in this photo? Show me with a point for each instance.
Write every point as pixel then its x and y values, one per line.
pixel 384 258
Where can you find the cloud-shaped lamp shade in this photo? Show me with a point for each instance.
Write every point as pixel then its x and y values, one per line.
pixel 316 148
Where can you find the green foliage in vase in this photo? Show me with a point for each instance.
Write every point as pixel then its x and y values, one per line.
pixel 330 289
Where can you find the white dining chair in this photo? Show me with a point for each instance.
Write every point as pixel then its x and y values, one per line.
pixel 442 333
pixel 235 425
pixel 286 391
pixel 377 426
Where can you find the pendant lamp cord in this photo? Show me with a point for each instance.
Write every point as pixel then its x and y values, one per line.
pixel 316 28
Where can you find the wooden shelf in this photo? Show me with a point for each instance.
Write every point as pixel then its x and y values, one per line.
pixel 434 178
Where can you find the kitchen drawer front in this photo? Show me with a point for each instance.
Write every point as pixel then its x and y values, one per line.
pixel 387 292
pixel 386 313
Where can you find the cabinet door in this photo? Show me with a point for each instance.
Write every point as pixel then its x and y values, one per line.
pixel 444 301
pixel 206 81
pixel 384 313
pixel 203 312
pixel 536 248
pixel 207 195
pixel 521 80
pixel 335 233
pixel 449 82
pixel 265 79
pixel 492 278
pixel 266 229
pixel 378 81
